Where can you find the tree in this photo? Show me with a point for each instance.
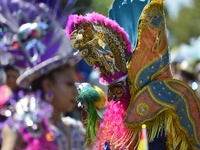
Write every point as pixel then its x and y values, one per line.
pixel 101 6
pixel 186 25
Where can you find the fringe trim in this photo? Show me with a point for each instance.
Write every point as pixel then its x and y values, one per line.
pixel 168 122
pixel 177 136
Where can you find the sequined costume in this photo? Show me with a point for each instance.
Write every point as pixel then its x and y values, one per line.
pixel 141 89
pixel 25 120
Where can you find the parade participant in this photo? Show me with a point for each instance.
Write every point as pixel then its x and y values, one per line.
pixel 9 90
pixel 39 44
pixel 10 76
pixel 137 72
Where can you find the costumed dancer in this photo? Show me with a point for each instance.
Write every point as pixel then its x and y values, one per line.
pixel 34 36
pixel 140 85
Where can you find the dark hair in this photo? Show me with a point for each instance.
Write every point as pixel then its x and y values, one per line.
pixel 9 67
pixel 37 83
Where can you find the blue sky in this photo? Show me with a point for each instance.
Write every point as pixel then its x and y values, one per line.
pixel 174 6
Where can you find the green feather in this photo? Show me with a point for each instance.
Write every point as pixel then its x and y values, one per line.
pixel 90 95
pixel 91 123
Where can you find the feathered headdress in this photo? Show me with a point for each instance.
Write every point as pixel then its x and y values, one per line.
pixel 90 33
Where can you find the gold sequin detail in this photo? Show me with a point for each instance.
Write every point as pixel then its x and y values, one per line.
pixel 142 109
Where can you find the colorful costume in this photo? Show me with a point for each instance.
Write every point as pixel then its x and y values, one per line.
pixel 39 44
pixel 140 85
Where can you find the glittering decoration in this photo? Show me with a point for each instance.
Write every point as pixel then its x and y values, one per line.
pixel 30 118
pixel 142 109
pixel 15 45
pixel 30 111
pixel 50 136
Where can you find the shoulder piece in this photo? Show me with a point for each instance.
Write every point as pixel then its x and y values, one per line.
pixel 150 59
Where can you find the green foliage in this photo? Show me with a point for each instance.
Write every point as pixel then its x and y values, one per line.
pixel 187 24
pixel 101 6
pixel 182 28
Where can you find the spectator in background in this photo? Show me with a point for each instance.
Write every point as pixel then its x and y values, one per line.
pixel 10 76
pixel 190 73
pixel 187 73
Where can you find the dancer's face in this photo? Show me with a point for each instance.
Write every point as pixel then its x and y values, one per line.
pixel 10 78
pixel 64 90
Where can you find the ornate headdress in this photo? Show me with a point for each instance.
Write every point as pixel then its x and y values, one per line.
pixel 90 34
pixel 103 44
pixel 33 34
